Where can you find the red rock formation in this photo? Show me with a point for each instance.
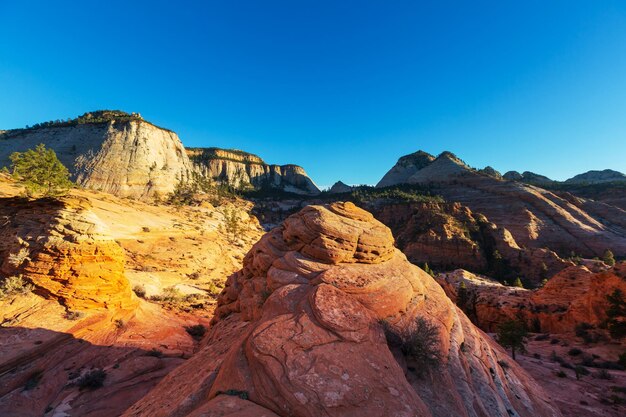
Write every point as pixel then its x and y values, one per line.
pixel 298 333
pixel 449 236
pixel 574 295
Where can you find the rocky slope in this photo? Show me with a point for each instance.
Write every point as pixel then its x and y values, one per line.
pixel 574 295
pixel 311 294
pixel 450 236
pixel 535 217
pixel 241 169
pixel 128 158
pixel 82 254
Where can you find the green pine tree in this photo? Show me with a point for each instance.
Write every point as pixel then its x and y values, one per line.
pixel 40 171
pixel 512 334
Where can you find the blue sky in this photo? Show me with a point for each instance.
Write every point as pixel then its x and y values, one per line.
pixel 342 88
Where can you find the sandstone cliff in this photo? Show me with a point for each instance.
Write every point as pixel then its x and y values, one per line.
pixel 298 332
pixel 535 217
pixel 241 170
pixel 129 158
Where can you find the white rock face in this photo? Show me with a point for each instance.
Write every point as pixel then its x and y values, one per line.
pixel 126 158
pixel 240 168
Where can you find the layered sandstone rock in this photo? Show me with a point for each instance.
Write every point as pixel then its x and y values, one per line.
pixel 130 158
pixel 298 332
pixel 241 169
pixel 535 217
pixel 63 249
pixel 574 295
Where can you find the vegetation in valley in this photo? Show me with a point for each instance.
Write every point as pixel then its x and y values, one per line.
pixel 512 335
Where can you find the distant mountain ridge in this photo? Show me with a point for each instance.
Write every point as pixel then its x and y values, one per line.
pixel 534 216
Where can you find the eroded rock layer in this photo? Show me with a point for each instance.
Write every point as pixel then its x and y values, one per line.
pixel 298 332
pixel 64 251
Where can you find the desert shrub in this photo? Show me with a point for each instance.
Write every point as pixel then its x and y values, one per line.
pixel 554 341
pixel 419 343
pixel 574 352
pixel 73 315
pixel 622 359
pixel 155 353
pixel 232 224
pixel 608 258
pixel 603 374
pixel 561 374
pixel 92 379
pixel 33 381
pixel 581 371
pixel 140 291
pixel 169 295
pixel 15 285
pixel 18 258
pixel 196 331
pixel 235 393
pixel 40 171
pixel 621 390
pixel 582 331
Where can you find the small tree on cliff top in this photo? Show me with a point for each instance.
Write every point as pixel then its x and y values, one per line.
pixel 40 171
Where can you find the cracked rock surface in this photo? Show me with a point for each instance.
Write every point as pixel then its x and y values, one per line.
pixel 299 332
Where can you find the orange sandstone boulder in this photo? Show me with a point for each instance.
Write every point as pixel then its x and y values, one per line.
pixel 64 250
pixel 299 332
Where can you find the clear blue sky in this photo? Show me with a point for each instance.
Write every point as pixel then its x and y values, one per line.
pixel 342 88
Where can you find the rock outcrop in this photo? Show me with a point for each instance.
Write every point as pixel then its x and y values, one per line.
pixel 573 296
pixel 65 252
pixel 241 169
pixel 450 236
pixel 298 332
pixel 405 168
pixel 528 178
pixel 128 158
pixel 340 188
pixel 596 177
pixel 535 217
